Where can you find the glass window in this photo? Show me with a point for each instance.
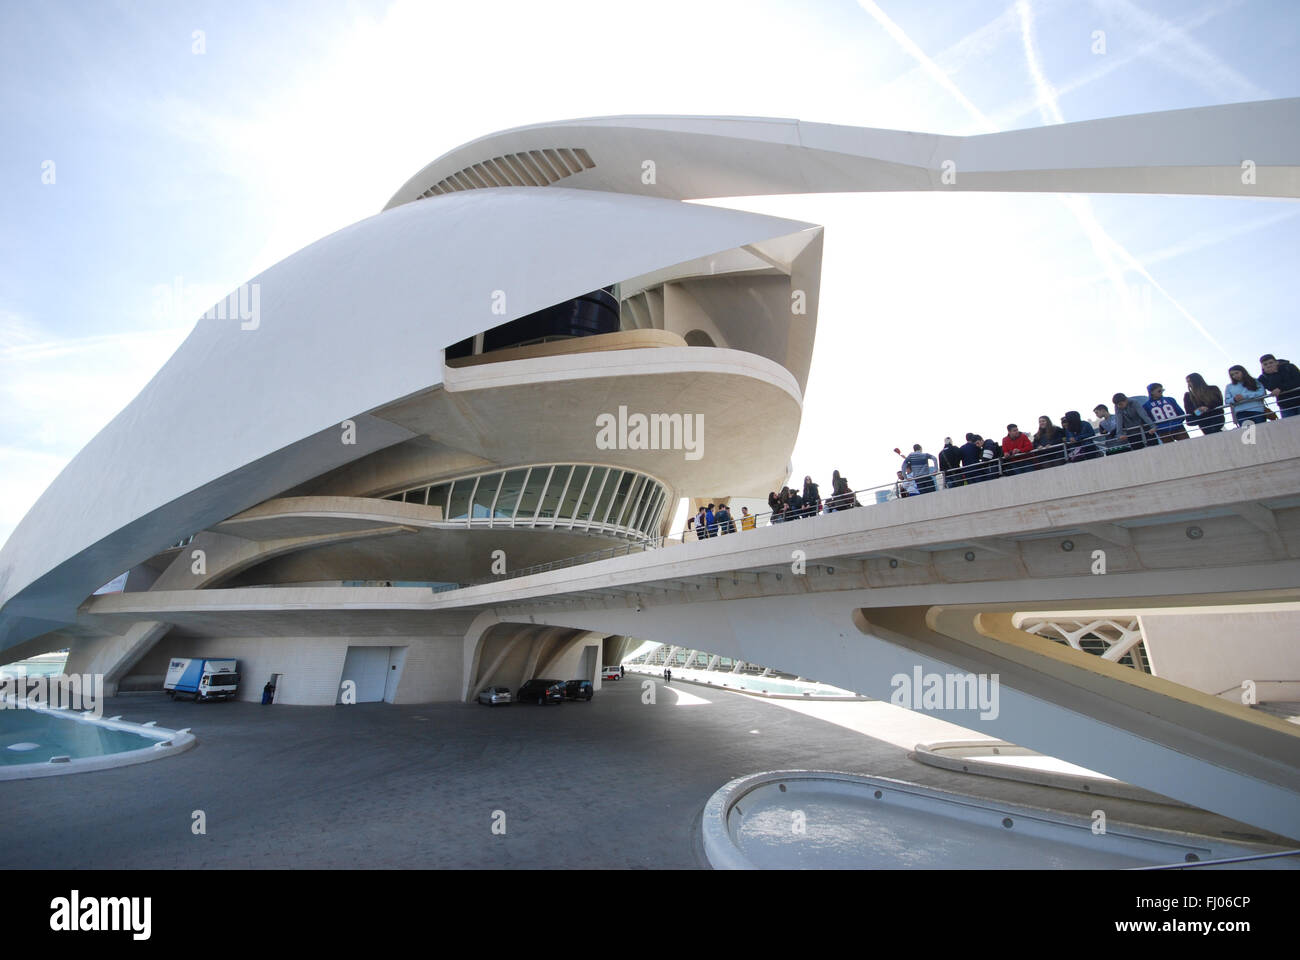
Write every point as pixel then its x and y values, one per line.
pixel 598 475
pixel 417 496
pixel 638 505
pixel 395 496
pixel 483 497
pixel 460 492
pixel 647 524
pixel 438 496
pixel 607 496
pixel 532 493
pixel 633 501
pixel 570 502
pixel 551 500
pixel 619 506
pixel 511 487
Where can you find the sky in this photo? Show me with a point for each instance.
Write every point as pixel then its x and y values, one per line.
pixel 155 155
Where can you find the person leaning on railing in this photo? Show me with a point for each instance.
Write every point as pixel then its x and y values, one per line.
pixel 1135 426
pixel 1109 438
pixel 1245 395
pixel 1281 378
pixel 1080 437
pixel 1204 404
pixel 1017 450
pixel 1165 413
pixel 842 497
pixel 1047 444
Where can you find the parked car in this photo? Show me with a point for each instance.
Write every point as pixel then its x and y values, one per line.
pixel 612 673
pixel 541 691
pixel 578 690
pixel 494 695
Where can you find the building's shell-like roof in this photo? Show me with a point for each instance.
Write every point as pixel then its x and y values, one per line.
pixel 347 325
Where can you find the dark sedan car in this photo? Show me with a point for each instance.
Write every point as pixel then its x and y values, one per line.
pixel 578 690
pixel 541 691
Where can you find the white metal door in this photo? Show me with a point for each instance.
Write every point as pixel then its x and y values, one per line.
pixel 367 667
pixel 396 660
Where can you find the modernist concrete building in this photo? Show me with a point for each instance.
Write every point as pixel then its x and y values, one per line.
pixel 537 350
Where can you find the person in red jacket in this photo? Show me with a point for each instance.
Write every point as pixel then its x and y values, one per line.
pixel 1016 448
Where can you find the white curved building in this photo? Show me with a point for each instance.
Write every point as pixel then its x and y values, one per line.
pixel 404 398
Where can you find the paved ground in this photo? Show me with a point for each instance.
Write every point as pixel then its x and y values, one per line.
pixel 613 783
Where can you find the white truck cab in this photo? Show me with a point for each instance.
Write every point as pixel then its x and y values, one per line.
pixel 204 679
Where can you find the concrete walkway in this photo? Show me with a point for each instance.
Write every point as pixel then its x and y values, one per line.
pixel 614 783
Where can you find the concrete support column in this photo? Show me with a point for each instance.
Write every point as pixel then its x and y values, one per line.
pixel 115 656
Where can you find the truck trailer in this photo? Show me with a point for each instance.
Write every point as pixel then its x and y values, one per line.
pixel 202 679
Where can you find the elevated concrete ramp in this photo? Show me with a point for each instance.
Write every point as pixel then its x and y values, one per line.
pixel 1139 728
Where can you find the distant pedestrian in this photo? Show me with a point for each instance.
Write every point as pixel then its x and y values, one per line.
pixel 746 521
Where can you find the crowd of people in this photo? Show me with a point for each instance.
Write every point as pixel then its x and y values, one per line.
pixel 1136 422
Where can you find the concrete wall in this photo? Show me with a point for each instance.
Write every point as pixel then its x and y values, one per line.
pixel 1211 652
pixel 312 666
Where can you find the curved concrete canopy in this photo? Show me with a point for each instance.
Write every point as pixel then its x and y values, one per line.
pixel 1195 151
pixel 351 323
